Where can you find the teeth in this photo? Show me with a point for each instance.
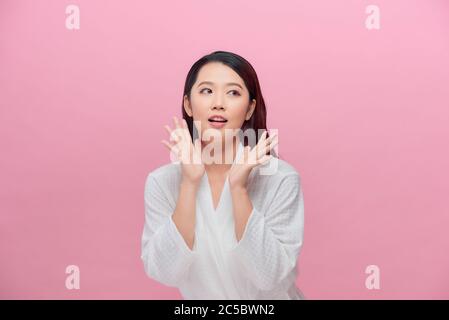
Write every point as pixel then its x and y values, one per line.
pixel 217 120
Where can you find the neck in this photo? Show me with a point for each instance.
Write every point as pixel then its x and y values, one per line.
pixel 223 166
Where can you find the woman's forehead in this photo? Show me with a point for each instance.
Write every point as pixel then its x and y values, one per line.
pixel 218 74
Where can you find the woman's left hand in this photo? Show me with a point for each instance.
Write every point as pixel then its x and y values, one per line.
pixel 251 158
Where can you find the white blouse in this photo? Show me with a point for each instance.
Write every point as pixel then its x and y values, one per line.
pixel 262 265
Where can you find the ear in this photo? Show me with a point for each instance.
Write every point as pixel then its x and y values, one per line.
pixel 187 106
pixel 251 108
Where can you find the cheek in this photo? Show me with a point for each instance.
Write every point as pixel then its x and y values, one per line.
pixel 200 106
pixel 237 111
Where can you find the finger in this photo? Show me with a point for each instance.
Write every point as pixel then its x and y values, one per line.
pixel 170 145
pixel 274 142
pixel 264 135
pixel 266 149
pixel 251 156
pixel 270 138
pixel 175 119
pixel 185 129
pixel 263 141
pixel 262 138
pixel 169 130
pixel 262 149
pixel 172 148
pixel 259 142
pixel 181 127
pixel 172 133
pixel 271 147
pixel 167 144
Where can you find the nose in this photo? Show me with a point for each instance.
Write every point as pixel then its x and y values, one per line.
pixel 218 107
pixel 218 103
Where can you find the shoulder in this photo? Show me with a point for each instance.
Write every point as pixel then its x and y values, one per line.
pixel 164 176
pixel 275 183
pixel 285 168
pixel 275 172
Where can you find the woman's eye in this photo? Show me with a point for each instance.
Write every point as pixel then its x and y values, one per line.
pixel 235 92
pixel 202 90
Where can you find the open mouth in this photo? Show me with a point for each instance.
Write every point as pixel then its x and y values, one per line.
pixel 211 120
pixel 217 119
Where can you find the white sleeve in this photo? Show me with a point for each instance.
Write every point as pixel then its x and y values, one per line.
pixel 272 239
pixel 165 254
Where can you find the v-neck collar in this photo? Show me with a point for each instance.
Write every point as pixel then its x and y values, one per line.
pixel 225 188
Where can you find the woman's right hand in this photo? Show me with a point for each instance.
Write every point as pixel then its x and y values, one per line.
pixel 188 153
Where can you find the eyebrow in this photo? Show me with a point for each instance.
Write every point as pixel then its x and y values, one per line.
pixel 228 84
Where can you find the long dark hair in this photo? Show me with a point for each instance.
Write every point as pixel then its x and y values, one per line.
pixel 246 71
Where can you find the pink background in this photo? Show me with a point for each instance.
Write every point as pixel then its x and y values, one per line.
pixel 362 114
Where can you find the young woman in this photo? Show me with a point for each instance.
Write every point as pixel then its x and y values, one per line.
pixel 220 229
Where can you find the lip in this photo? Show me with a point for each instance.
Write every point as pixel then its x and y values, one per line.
pixel 217 125
pixel 218 117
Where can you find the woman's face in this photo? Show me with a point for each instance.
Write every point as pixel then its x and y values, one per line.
pixel 219 90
